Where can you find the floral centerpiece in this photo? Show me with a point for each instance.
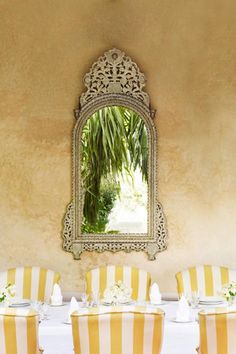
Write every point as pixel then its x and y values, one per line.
pixel 229 292
pixel 117 293
pixel 7 293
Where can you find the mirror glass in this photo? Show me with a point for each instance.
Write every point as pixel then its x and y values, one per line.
pixel 114 172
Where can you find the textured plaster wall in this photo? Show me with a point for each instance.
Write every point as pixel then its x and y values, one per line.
pixel 187 51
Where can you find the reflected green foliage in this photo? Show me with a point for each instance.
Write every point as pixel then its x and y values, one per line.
pixel 105 203
pixel 137 141
pixel 114 144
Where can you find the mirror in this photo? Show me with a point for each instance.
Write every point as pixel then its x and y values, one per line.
pixel 114 172
pixel 114 203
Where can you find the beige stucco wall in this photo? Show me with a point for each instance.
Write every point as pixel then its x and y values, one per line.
pixel 188 53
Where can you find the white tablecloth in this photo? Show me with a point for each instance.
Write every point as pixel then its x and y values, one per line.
pixel 179 338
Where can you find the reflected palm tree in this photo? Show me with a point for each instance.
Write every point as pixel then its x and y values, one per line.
pixel 114 145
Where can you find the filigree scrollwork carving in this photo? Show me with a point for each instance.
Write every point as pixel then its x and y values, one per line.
pixel 114 72
pixel 67 229
pixel 160 228
pixel 160 243
pixel 77 250
pixel 114 79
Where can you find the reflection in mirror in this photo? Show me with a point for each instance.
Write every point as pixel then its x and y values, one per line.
pixel 114 171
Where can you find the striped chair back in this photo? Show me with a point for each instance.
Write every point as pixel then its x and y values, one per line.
pixel 33 283
pixel 206 279
pixel 217 332
pixel 18 331
pixel 118 333
pixel 97 280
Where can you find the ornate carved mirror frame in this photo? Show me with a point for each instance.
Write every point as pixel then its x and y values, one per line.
pixel 114 80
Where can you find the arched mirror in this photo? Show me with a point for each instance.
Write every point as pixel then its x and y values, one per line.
pixel 114 179
pixel 114 172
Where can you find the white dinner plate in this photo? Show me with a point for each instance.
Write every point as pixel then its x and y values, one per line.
pixel 20 304
pixel 211 299
pixel 162 303
pixel 189 321
pixel 211 302
pixel 106 303
pixel 63 304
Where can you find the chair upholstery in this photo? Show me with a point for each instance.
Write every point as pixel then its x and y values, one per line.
pixel 18 331
pixel 33 283
pixel 118 332
pixel 97 280
pixel 217 332
pixel 206 279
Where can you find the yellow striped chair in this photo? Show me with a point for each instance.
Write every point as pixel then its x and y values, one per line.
pixel 206 279
pixel 33 283
pixel 19 332
pixel 97 280
pixel 217 332
pixel 131 332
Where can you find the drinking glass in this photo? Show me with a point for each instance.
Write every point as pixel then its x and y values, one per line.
pixel 95 298
pixel 38 307
pixel 84 298
pixel 45 311
pixel 35 305
pixel 195 299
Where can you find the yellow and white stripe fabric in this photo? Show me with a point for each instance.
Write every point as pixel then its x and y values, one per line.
pixel 97 280
pixel 217 332
pixel 206 279
pixel 135 331
pixel 18 331
pixel 33 283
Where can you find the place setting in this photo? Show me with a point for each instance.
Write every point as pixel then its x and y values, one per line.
pixel 73 306
pixel 183 312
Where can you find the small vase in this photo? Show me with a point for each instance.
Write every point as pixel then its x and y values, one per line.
pixel 231 301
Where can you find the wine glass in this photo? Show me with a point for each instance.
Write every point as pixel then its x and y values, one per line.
pixel 45 310
pixel 195 299
pixel 38 307
pixel 95 298
pixel 84 298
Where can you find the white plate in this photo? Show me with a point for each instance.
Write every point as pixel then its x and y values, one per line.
pixel 176 321
pixel 211 302
pixel 211 299
pixel 162 303
pixel 20 304
pixel 106 303
pixel 63 304
pixel 126 303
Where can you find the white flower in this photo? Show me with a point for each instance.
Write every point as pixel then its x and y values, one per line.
pixel 117 293
pixel 229 290
pixel 7 292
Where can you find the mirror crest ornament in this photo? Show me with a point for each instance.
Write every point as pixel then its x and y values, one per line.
pixel 114 80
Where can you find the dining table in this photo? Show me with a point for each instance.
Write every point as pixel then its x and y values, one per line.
pixel 55 334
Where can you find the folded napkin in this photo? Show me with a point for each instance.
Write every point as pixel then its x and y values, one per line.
pixel 56 298
pixel 183 310
pixel 74 306
pixel 155 295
